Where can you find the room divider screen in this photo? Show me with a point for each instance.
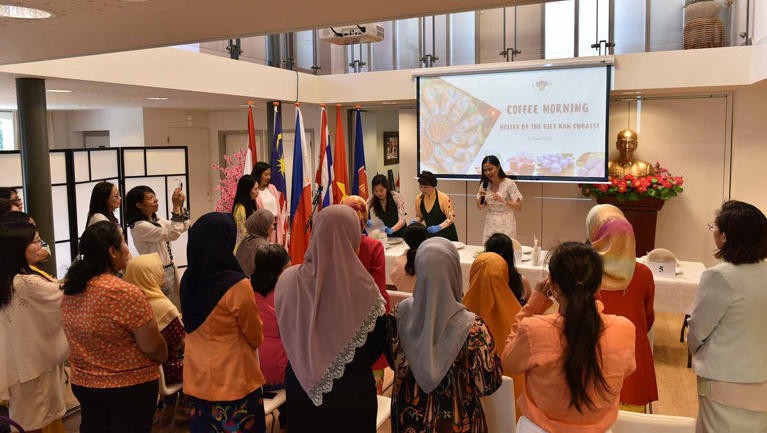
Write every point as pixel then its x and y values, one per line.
pixel 74 172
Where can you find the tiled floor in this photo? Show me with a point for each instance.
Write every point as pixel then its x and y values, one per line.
pixel 676 382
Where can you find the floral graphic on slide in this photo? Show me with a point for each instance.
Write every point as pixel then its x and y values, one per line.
pixel 454 126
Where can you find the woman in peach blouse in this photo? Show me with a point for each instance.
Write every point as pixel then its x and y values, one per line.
pixel 573 386
pixel 403 271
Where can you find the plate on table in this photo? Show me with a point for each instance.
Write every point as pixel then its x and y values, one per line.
pixel 458 245
pixel 394 240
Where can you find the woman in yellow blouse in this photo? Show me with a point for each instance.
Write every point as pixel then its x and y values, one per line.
pixel 244 205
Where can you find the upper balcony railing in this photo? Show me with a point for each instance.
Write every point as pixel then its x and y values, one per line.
pixel 559 29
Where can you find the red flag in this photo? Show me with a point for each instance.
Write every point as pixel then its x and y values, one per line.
pixel 341 178
pixel 250 155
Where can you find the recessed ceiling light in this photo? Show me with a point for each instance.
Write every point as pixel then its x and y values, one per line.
pixel 21 12
pixel 157 98
pixel 58 91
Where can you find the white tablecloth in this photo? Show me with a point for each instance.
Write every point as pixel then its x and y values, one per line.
pixel 672 294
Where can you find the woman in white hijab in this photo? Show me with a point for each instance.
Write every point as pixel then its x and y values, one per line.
pixel 443 355
pixel 331 319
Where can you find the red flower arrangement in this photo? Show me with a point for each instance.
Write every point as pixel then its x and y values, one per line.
pixel 661 185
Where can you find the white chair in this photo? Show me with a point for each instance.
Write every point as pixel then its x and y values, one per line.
pixel 500 413
pixel 632 422
pixel 384 410
pixel 271 404
pixel 166 391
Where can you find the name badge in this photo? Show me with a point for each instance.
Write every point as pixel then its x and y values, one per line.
pixel 662 269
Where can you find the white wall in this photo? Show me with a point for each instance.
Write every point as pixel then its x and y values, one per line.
pixel 125 126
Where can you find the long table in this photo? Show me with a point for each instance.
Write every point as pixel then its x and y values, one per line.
pixel 672 294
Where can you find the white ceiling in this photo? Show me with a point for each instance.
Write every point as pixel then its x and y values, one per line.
pixel 82 27
pixel 89 95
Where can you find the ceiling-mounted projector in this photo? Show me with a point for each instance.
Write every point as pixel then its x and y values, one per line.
pixel 358 34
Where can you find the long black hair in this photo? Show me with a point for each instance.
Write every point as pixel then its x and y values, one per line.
pixel 259 170
pixel 576 269
pixel 244 186
pixel 414 236
pixel 491 159
pixel 380 180
pixel 100 195
pixel 502 245
pixel 5 206
pixel 270 260
pixel 135 196
pixel 15 236
pixel 94 256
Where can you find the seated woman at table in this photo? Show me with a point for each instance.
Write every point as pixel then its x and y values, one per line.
pixel 434 209
pixel 628 290
pixel 502 245
pixel 403 272
pixel 574 360
pixel 728 325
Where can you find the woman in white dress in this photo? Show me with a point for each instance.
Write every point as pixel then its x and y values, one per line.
pixel 268 198
pixel 501 197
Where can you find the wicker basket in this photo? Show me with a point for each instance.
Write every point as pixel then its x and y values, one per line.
pixel 703 33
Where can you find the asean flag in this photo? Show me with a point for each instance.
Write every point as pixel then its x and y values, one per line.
pixel 300 194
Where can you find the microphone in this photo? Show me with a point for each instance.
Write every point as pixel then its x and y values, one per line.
pixel 484 186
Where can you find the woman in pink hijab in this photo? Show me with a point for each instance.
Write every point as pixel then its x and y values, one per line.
pixel 331 320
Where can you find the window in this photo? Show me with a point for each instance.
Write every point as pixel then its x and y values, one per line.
pixel 462 34
pixel 7 134
pixel 560 29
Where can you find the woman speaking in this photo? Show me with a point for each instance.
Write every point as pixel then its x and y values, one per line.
pixel 501 197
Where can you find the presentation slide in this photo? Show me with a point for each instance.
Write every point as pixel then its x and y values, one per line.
pixel 541 124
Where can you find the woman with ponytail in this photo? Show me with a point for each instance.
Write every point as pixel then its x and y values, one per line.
pixel 574 360
pixel 115 343
pixel 403 271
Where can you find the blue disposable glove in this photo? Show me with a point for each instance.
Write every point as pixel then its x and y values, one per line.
pixel 388 230
pixel 369 224
pixel 433 229
pixel 413 222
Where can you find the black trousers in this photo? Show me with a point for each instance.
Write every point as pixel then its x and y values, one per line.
pixel 117 410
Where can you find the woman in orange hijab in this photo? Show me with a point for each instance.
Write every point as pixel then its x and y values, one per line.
pixel 491 298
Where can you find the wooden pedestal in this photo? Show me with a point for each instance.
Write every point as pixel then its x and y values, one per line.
pixel 643 216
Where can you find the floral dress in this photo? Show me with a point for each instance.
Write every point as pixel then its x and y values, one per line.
pixel 454 406
pixel 500 217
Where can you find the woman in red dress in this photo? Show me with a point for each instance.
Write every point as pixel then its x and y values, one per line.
pixel 628 290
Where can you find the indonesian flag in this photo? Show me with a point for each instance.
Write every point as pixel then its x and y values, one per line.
pixel 300 194
pixel 250 155
pixel 340 176
pixel 324 176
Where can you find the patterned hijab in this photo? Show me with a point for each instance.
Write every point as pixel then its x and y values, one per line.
pixel 327 306
pixel 612 236
pixel 257 224
pixel 145 271
pixel 433 324
pixel 490 298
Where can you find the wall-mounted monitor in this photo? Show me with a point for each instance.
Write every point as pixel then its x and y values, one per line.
pixel 543 125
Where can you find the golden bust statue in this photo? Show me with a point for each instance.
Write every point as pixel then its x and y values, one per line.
pixel 625 163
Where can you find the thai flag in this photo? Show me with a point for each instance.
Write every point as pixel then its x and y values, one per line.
pixel 324 176
pixel 300 194
pixel 278 166
pixel 360 184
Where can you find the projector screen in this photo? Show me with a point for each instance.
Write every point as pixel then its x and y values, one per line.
pixel 547 125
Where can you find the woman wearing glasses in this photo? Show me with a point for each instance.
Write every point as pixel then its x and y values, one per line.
pixel 105 200
pixel 728 326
